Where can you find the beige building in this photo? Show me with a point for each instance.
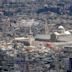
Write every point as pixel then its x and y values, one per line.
pixel 61 35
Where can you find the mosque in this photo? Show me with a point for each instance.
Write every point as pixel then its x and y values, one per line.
pixel 61 35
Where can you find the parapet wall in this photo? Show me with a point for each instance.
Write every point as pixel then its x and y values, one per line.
pixel 64 37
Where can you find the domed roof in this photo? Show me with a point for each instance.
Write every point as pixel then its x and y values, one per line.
pixel 67 32
pixel 61 27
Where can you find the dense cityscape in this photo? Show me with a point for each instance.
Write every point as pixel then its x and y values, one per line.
pixel 35 35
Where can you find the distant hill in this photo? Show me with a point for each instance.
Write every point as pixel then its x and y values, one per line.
pixel 38 6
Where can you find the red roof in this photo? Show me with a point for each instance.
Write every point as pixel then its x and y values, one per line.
pixel 50 45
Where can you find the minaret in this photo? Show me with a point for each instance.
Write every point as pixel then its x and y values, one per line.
pixel 46 26
pixel 31 39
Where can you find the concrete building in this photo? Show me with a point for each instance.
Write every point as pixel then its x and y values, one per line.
pixel 42 37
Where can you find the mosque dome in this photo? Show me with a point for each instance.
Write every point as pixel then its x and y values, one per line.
pixel 61 29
